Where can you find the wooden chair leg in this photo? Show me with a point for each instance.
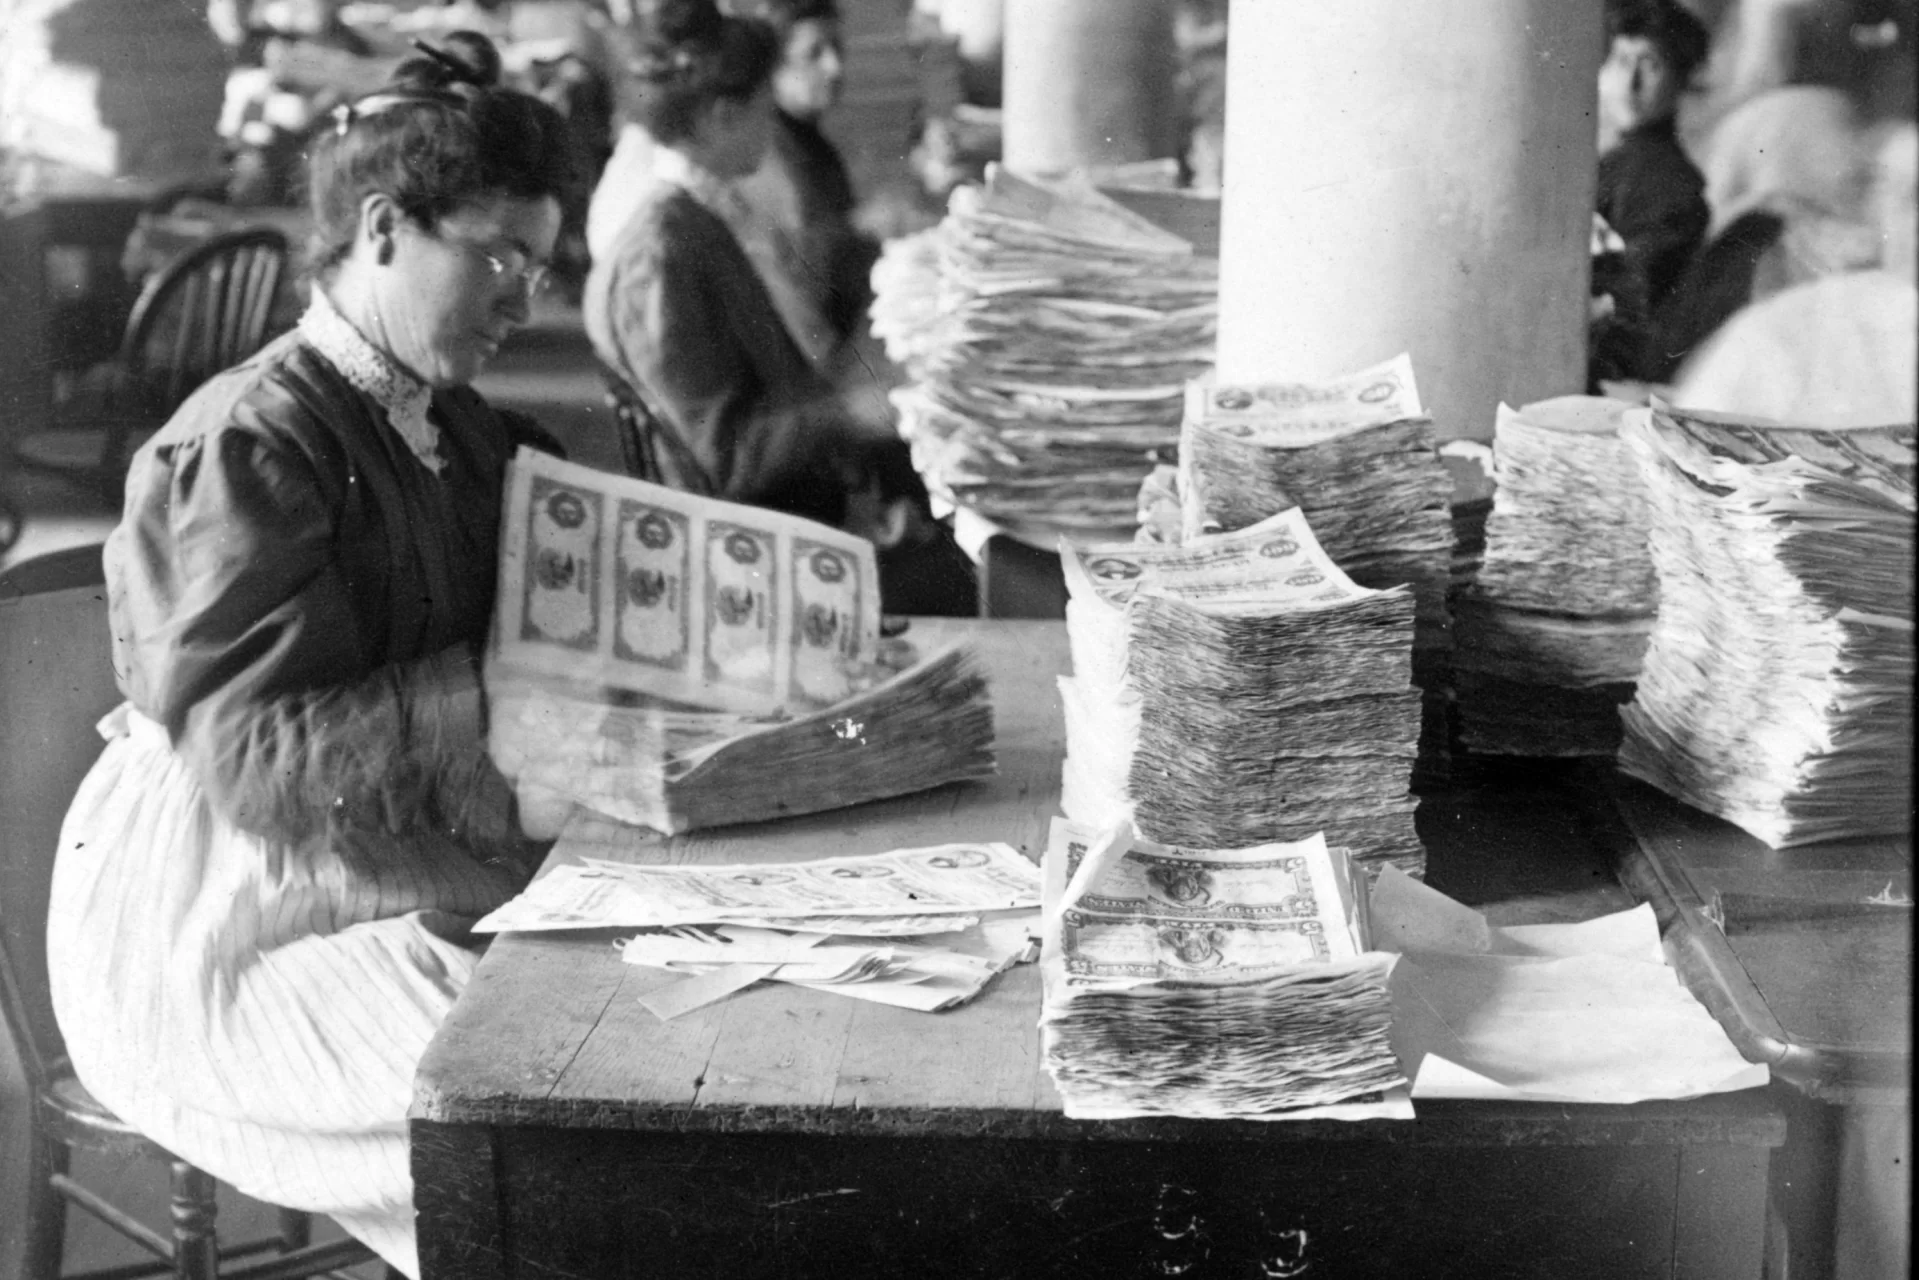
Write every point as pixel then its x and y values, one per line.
pixel 46 1226
pixel 195 1246
pixel 296 1230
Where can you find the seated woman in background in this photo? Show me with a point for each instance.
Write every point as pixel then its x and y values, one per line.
pixel 1786 175
pixel 1840 350
pixel 802 187
pixel 1650 195
pixel 263 887
pixel 731 406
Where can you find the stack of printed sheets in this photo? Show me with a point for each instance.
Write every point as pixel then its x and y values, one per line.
pixel 1777 689
pixel 1550 630
pixel 1240 689
pixel 1049 333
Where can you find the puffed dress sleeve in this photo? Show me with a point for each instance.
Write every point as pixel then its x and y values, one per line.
pixel 252 653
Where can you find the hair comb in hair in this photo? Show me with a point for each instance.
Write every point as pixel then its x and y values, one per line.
pixel 444 58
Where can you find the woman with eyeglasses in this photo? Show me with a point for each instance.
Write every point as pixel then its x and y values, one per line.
pixel 263 887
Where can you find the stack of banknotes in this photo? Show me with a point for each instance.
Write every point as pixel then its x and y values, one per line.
pixel 1550 628
pixel 1358 455
pixel 1776 691
pixel 1048 333
pixel 681 662
pixel 1239 689
pixel 1215 983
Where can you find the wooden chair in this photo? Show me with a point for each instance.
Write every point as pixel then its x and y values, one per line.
pixel 56 681
pixel 206 311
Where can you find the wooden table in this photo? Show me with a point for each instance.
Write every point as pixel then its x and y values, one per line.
pixel 1807 976
pixel 560 1130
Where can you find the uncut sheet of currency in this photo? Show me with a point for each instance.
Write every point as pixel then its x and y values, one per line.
pixel 936 880
pixel 612 582
pixel 1776 690
pixel 1212 983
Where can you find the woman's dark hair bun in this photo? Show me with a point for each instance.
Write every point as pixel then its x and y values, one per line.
pixel 680 22
pixel 461 59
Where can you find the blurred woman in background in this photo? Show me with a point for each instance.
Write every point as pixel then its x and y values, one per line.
pixel 727 402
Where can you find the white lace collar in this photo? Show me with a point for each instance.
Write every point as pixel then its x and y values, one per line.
pixel 716 193
pixel 404 397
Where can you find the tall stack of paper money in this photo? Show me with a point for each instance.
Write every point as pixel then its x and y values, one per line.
pixel 680 662
pixel 1048 353
pixel 1211 983
pixel 1549 632
pixel 1240 689
pixel 1358 455
pixel 113 87
pixel 1777 689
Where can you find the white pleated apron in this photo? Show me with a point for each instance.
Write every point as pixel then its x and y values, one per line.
pixel 259 1011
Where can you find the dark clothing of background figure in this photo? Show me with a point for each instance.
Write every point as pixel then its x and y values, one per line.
pixel 833 257
pixel 678 312
pixel 1653 196
pixel 1717 283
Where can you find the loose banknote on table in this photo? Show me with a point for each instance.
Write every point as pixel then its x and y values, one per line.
pixel 921 928
pixel 681 662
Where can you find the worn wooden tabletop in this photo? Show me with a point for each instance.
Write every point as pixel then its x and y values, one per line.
pixel 552 1025
pixel 551 1032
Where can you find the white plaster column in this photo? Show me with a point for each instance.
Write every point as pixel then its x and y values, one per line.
pixel 1088 82
pixel 1410 175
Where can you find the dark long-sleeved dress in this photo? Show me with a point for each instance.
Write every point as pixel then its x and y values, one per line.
pixel 831 256
pixel 1654 197
pixel 262 888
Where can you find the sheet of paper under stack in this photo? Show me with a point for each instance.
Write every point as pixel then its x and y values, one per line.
pixel 682 662
pixel 1212 983
pixel 1237 690
pixel 1549 632
pixel 1776 691
pixel 1358 456
pixel 1049 333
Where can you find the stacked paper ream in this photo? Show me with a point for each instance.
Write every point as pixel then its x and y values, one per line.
pixel 1551 625
pixel 1777 689
pixel 1048 332
pixel 1358 456
pixel 114 87
pixel 1226 984
pixel 1240 689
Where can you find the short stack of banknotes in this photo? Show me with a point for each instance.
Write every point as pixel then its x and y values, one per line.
pixel 1359 456
pixel 1048 333
pixel 680 662
pixel 1213 983
pixel 1550 630
pixel 1239 689
pixel 1776 691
